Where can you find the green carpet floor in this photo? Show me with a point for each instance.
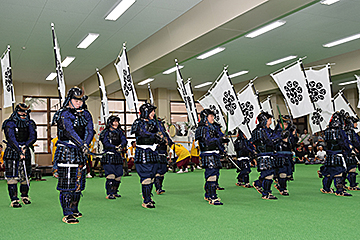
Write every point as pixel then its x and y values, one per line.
pixel 181 213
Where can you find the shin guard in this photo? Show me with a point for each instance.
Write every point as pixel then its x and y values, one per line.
pixel 282 184
pixel 338 182
pixel 75 202
pixel 146 192
pixel 326 184
pixel 352 179
pixel 66 201
pixel 267 186
pixel 109 186
pixel 246 178
pixel 24 189
pixel 13 192
pixel 212 189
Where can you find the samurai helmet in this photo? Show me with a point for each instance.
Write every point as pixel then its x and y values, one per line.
pixel 205 113
pixel 146 109
pixel 262 118
pixel 112 119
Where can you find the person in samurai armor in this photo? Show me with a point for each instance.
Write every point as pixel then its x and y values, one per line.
pixel 114 145
pixel 351 159
pixel 286 139
pixel 244 151
pixel 75 132
pixel 337 147
pixel 20 133
pixel 162 150
pixel 263 139
pixel 211 140
pixel 147 136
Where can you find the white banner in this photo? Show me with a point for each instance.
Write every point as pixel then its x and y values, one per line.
pixel 250 108
pixel 59 70
pixel 319 118
pixel 209 102
pixel 224 94
pixel 319 88
pixel 123 70
pixel 266 107
pixel 104 111
pixel 191 103
pixel 8 87
pixel 358 86
pixel 342 105
pixel 292 84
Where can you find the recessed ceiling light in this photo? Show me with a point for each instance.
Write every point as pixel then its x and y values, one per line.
pixel 210 53
pixel 51 76
pixel 343 40
pixel 89 39
pixel 265 29
pixel 119 9
pixel 173 69
pixel 203 85
pixel 146 81
pixel 281 60
pixel 347 83
pixel 329 2
pixel 67 61
pixel 238 74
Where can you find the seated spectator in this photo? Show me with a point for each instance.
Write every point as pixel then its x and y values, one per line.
pixel 300 155
pixel 305 138
pixel 130 157
pixel 183 156
pixel 310 156
pixel 320 155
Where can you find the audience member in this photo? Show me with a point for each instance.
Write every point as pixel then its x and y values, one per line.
pixel 320 155
pixel 309 155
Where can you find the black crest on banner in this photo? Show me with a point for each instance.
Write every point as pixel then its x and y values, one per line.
pixel 229 101
pixel 317 118
pixel 316 91
pixel 8 80
pixel 294 92
pixel 127 82
pixel 216 112
pixel 247 108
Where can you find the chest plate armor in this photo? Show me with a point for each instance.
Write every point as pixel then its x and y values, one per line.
pixel 332 136
pixel 114 137
pixel 259 140
pixel 21 131
pixel 200 135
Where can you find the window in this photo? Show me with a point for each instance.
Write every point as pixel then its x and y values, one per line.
pixel 42 111
pixel 178 111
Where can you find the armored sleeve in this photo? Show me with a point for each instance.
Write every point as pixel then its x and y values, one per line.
pixel 9 131
pixel 32 134
pixel 89 130
pixel 123 139
pixel 104 138
pixel 69 128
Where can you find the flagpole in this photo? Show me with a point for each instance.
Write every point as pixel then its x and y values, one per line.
pixel 132 89
pixel 193 101
pixel 226 72
pixel 348 103
pixel 331 86
pixel 150 95
pixel 101 95
pixel 12 87
pixel 216 80
pixel 57 73
pixel 289 65
pixel 272 111
pixel 256 92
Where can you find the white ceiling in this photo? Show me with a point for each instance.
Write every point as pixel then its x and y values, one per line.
pixel 26 23
pixel 303 34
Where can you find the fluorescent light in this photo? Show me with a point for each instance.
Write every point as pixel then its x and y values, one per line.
pixel 238 74
pixel 119 9
pixel 281 60
pixel 203 85
pixel 67 61
pixel 146 81
pixel 51 76
pixel 329 2
pixel 343 40
pixel 265 29
pixel 347 83
pixel 173 69
pixel 88 40
pixel 210 53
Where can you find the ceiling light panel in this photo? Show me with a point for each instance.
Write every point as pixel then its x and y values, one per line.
pixel 281 60
pixel 173 69
pixel 265 29
pixel 89 39
pixel 343 40
pixel 329 2
pixel 119 9
pixel 210 53
pixel 67 61
pixel 203 85
pixel 238 74
pixel 51 76
pixel 146 81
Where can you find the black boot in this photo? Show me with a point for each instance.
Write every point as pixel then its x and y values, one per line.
pixel 340 191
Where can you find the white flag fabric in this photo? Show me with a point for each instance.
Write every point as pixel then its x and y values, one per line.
pixel 209 102
pixel 266 107
pixel 319 118
pixel 358 86
pixel 123 70
pixel 292 84
pixel 8 87
pixel 59 71
pixel 191 102
pixel 319 88
pixel 150 94
pixel 104 111
pixel 250 108
pixel 224 94
pixel 342 105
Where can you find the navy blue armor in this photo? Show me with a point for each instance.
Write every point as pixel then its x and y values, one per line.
pixel 244 150
pixel 75 133
pixel 20 134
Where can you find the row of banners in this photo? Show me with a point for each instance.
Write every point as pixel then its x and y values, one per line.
pixel 306 92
